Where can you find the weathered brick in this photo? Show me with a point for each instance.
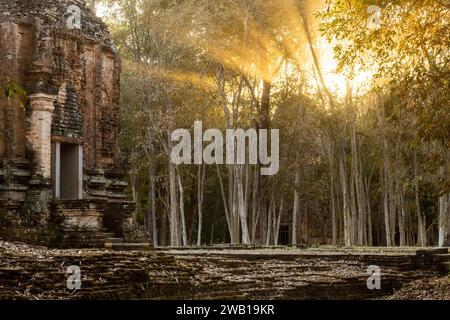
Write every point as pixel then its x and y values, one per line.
pixel 72 82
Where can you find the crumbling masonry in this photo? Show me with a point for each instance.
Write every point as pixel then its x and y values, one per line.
pixel 60 178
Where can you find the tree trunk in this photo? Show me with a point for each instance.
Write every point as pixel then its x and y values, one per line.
pixel 353 211
pixel 401 219
pixel 200 188
pixel 226 208
pixel 421 232
pixel 278 222
pixel 269 228
pixel 173 217
pixel 345 197
pixel 386 182
pixel 306 223
pixel 134 182
pixel 255 207
pixel 152 227
pixel 182 215
pixel 367 184
pixel 296 207
pixel 334 224
pixel 444 208
pixel 359 189
pixel 242 206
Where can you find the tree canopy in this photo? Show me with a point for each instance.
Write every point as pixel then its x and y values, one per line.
pixel 363 115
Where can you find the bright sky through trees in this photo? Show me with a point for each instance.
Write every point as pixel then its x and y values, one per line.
pixel 101 9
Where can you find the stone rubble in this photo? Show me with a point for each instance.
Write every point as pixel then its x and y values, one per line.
pixel 39 273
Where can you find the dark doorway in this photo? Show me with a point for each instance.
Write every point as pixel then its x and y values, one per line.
pixel 285 235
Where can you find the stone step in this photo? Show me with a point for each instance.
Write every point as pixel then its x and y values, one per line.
pixel 445 267
pixel 128 246
pixel 107 234
pixel 115 240
pixel 442 257
pixel 429 252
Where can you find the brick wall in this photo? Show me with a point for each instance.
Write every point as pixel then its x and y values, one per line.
pixel 82 67
pixel 72 80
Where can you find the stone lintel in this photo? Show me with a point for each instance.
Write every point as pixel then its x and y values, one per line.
pixel 68 140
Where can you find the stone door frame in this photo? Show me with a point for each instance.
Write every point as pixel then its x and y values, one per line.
pixel 56 158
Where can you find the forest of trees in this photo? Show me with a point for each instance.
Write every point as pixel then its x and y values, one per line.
pixel 363 115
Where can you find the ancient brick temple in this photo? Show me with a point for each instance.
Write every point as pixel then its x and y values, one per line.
pixel 60 178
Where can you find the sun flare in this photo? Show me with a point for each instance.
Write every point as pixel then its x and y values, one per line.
pixel 101 10
pixel 337 82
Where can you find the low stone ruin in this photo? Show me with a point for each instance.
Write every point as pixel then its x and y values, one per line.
pixel 37 273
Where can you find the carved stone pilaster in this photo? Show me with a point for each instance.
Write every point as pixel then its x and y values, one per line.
pixel 39 132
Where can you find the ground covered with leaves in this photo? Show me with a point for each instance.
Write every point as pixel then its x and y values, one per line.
pixel 29 272
pixel 434 288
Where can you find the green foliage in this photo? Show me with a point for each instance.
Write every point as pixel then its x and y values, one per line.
pixel 410 59
pixel 10 89
pixel 409 56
